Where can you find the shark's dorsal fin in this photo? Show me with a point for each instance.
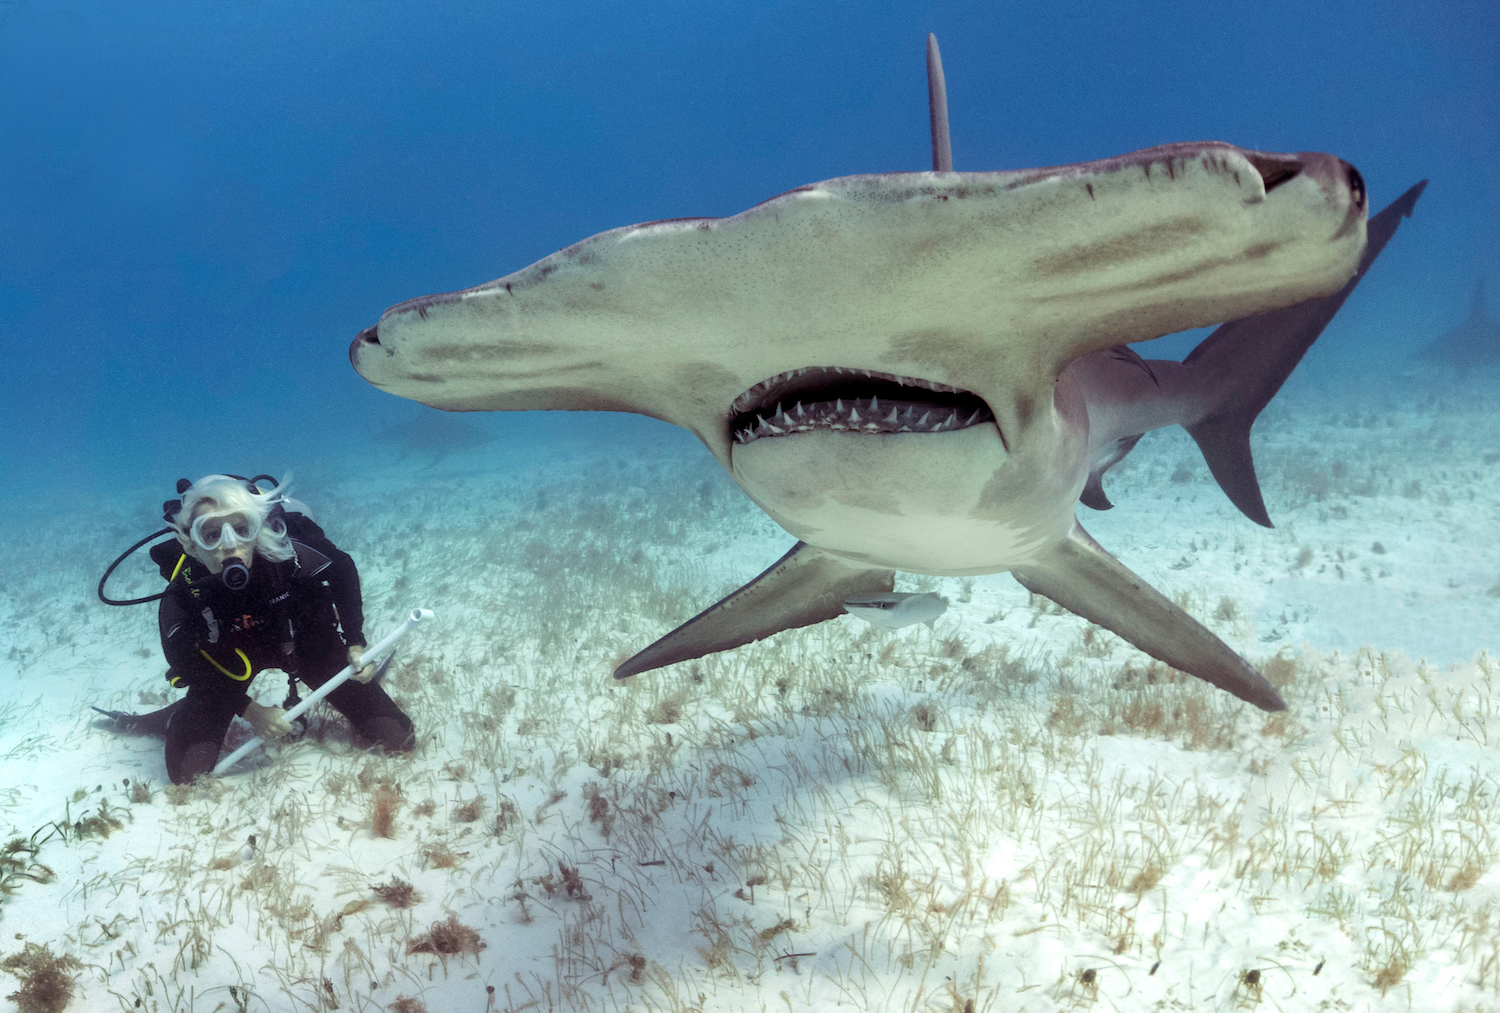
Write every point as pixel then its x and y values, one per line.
pixel 803 587
pixel 937 108
pixel 1083 578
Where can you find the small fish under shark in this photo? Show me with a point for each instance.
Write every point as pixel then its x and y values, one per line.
pixel 895 609
pixel 928 371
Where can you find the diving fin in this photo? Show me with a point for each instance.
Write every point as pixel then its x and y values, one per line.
pixel 383 667
pixel 120 718
pixel 1083 578
pixel 154 723
pixel 1252 357
pixel 805 586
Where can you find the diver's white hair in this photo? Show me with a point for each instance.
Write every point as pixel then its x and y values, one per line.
pixel 225 493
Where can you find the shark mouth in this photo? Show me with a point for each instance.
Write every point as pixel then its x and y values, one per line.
pixel 863 401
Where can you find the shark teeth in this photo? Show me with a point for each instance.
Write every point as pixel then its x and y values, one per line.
pixel 859 416
pixel 904 404
pixel 763 391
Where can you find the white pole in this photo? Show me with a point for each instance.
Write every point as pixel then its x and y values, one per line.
pixel 372 654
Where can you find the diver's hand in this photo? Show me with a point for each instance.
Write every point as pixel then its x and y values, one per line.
pixel 268 722
pixel 362 672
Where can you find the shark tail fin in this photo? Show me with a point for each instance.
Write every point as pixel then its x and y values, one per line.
pixel 1083 578
pixel 1248 360
pixel 803 587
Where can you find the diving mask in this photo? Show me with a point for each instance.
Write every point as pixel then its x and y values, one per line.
pixel 212 532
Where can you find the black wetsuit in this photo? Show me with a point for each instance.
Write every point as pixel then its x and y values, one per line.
pixel 288 617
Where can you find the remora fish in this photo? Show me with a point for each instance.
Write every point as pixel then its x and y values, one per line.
pixel 895 609
pixel 925 370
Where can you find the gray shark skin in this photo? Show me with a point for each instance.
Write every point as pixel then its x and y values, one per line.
pixel 924 370
pixel 1475 342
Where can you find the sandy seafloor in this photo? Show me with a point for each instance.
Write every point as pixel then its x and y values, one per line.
pixel 1012 811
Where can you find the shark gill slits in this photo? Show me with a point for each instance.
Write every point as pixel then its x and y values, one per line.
pixel 859 401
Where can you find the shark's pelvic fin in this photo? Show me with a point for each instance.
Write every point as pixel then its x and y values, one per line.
pixel 1093 495
pixel 1249 359
pixel 803 587
pixel 937 108
pixel 1082 577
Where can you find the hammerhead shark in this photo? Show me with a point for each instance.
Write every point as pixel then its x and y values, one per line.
pixel 1475 342
pixel 925 371
pixel 433 436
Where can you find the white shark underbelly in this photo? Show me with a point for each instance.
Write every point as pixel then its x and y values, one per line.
pixel 945 504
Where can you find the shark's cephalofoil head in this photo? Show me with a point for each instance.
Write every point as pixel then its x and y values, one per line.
pixel 922 320
pixel 985 282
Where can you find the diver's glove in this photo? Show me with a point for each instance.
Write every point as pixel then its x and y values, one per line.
pixel 362 671
pixel 267 722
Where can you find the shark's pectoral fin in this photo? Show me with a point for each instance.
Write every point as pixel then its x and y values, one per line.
pixel 1082 577
pixel 805 586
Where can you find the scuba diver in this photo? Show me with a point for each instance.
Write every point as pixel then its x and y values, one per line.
pixel 254 583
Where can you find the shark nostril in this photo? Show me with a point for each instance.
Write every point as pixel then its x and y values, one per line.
pixel 361 340
pixel 1274 169
pixel 1356 185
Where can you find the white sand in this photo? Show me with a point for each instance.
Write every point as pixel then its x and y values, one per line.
pixel 1013 811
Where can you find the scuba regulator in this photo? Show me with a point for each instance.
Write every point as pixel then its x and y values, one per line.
pixel 235 573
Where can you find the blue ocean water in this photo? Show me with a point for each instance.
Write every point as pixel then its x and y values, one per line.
pixel 200 204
